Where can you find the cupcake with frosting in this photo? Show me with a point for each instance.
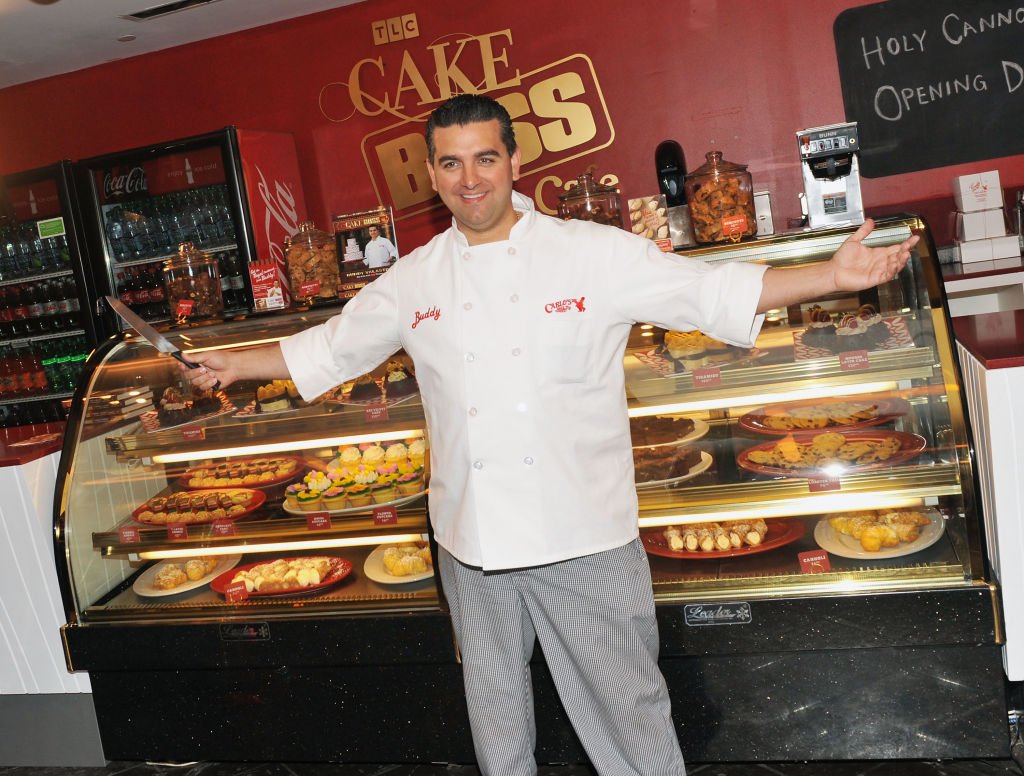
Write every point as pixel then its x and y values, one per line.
pixel 396 453
pixel 364 475
pixel 291 494
pixel 349 457
pixel 383 491
pixel 317 480
pixel 358 494
pixel 409 483
pixel 308 500
pixel 373 455
pixel 417 451
pixel 334 498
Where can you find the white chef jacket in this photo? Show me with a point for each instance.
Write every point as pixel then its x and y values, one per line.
pixel 518 349
pixel 378 252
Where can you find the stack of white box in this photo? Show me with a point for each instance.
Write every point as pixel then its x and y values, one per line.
pixel 980 220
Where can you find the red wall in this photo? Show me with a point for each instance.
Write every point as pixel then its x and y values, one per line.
pixel 739 76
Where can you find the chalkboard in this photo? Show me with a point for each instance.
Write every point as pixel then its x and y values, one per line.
pixel 932 83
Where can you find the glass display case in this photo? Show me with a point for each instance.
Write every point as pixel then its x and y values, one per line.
pixel 815 493
pixel 163 508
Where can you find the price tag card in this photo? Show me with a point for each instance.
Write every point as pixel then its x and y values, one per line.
pixel 707 377
pixel 318 521
pixel 129 534
pixel 193 434
pixel 376 412
pixel 184 308
pixel 236 592
pixel 814 562
pixel 821 484
pixel 177 531
pixel 385 516
pixel 734 224
pixel 223 528
pixel 312 288
pixel 853 360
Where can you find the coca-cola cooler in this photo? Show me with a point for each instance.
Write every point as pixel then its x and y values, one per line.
pixel 235 194
pixel 45 289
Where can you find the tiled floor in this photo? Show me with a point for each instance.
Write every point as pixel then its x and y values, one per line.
pixel 890 768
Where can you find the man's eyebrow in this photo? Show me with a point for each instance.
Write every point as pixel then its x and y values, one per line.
pixel 478 155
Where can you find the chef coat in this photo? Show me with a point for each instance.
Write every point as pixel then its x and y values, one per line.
pixel 518 349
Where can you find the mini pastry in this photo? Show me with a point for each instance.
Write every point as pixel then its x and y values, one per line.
pixel 399 380
pixel 365 388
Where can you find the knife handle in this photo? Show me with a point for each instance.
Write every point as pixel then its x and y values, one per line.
pixel 192 365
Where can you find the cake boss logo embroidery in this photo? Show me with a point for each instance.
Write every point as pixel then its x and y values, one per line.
pixel 433 313
pixel 566 306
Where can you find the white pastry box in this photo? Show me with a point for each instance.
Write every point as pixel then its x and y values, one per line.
pixel 988 248
pixel 979 224
pixel 980 191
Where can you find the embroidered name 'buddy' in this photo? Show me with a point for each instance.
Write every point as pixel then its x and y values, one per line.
pixel 432 313
pixel 566 306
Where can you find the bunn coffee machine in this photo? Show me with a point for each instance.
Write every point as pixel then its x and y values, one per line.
pixel 831 174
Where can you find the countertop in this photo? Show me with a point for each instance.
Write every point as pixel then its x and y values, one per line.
pixel 995 339
pixel 22 444
pixel 976 269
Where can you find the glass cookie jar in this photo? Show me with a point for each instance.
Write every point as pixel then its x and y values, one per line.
pixel 192 283
pixel 312 259
pixel 721 201
pixel 589 200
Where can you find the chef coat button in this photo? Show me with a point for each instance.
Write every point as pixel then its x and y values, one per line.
pixel 528 461
pixel 467 306
pixel 511 251
pixel 470 357
pixel 516 351
pixel 521 406
pixel 466 256
pixel 472 412
pixel 478 465
pixel 514 298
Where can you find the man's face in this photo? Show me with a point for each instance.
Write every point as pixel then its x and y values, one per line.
pixel 374 231
pixel 473 173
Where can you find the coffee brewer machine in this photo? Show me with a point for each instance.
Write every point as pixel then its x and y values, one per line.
pixel 831 174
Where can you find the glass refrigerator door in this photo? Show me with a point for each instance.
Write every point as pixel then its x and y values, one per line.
pixel 148 202
pixel 45 331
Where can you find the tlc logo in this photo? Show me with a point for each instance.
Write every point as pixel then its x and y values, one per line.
pixel 395 28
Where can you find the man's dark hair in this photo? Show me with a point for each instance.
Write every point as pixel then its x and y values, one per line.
pixel 468 109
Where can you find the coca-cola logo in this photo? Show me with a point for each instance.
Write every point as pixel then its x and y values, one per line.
pixel 131 182
pixel 280 210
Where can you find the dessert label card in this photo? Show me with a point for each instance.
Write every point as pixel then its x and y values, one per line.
pixel 223 528
pixel 129 534
pixel 385 516
pixel 707 377
pixel 193 433
pixel 854 359
pixel 318 521
pixel 814 562
pixel 366 245
pixel 822 484
pixel 376 412
pixel 177 531
pixel 236 592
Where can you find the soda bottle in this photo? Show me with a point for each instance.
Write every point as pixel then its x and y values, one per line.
pixel 30 295
pixel 140 292
pixel 74 318
pixel 115 234
pixel 123 292
pixel 51 304
pixel 157 293
pixel 19 311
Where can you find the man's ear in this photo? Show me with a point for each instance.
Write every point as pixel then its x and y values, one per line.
pixel 430 172
pixel 515 158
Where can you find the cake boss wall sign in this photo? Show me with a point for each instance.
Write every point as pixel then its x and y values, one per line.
pixel 558 110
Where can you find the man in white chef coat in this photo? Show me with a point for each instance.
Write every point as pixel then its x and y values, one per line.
pixel 517 323
pixel 379 250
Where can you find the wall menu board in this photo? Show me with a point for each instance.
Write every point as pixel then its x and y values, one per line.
pixel 932 83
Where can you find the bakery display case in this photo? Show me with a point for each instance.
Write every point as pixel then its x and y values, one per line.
pixel 808 506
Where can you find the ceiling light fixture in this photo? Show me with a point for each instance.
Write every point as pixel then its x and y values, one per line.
pixel 156 11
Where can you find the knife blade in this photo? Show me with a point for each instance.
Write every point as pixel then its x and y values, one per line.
pixel 147 332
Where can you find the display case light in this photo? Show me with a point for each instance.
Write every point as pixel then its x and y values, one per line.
pixel 288 446
pixel 814 392
pixel 289 546
pixel 230 345
pixel 807 505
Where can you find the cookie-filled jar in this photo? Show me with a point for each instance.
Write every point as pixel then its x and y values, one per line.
pixel 721 201
pixel 312 259
pixel 192 283
pixel 589 200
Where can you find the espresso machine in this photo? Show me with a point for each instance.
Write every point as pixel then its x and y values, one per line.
pixel 831 174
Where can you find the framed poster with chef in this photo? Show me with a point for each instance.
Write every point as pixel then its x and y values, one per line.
pixel 366 246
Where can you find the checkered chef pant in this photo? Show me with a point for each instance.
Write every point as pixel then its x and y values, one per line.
pixel 595 620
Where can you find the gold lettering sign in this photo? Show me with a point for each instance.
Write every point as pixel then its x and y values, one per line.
pixel 558 111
